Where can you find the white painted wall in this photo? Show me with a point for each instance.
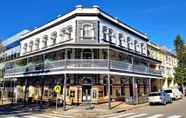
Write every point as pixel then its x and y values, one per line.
pixel 49 32
pixel 125 34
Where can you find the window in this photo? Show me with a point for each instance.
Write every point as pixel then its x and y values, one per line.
pixel 53 38
pixel 66 33
pixel 37 44
pixel 121 40
pixel 111 35
pixel 44 41
pixel 30 46
pixel 25 48
pixel 143 48
pixel 105 33
pixel 88 31
pixel 129 42
pixel 137 46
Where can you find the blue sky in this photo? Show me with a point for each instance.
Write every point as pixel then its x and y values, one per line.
pixel 160 19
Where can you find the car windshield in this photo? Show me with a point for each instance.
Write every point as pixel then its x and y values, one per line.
pixel 168 91
pixel 154 94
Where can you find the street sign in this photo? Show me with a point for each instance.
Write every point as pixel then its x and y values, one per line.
pixel 57 89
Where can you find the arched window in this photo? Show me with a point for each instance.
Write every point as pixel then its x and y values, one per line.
pixel 30 46
pixel 65 33
pixel 37 42
pixel 53 38
pixel 44 41
pixel 88 31
pixel 25 48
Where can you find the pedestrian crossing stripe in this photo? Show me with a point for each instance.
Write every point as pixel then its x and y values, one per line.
pixel 175 116
pixel 138 115
pixel 116 115
pixel 156 116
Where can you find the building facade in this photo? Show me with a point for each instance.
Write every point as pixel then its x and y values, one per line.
pixel 167 66
pixel 91 55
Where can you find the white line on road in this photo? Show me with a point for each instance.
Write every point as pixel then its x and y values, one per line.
pixel 138 115
pixel 31 116
pixel 113 115
pixel 156 116
pixel 175 116
pixel 122 115
pixel 11 117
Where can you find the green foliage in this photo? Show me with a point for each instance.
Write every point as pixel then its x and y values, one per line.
pixel 180 72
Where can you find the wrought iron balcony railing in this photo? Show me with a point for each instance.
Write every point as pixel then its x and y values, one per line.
pixel 93 64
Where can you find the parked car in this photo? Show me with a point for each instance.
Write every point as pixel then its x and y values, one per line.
pixel 178 94
pixel 174 93
pixel 171 94
pixel 185 92
pixel 159 97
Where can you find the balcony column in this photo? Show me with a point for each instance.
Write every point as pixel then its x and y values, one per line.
pixel 149 83
pixel 148 68
pixel 135 90
pixel 109 96
pixel 66 58
pixel 108 81
pixel 132 62
pixel 43 65
pixel 64 90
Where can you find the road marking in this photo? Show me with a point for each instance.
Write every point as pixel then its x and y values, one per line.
pixel 156 116
pixel 31 116
pixel 138 115
pixel 11 117
pixel 122 115
pixel 111 115
pixel 59 115
pixel 175 116
pixel 48 116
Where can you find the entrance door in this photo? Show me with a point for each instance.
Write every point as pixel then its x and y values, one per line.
pixel 86 93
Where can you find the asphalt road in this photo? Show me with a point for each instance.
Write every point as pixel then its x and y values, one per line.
pixel 175 110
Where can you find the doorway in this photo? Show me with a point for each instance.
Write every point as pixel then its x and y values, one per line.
pixel 86 91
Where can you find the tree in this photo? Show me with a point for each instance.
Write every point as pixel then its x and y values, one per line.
pixel 180 72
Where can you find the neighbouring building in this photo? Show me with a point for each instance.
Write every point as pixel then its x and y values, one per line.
pixel 90 54
pixel 11 51
pixel 168 64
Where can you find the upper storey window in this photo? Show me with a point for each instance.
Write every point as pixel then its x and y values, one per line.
pixel 129 42
pixel 137 46
pixel 45 41
pixel 122 40
pixel 65 33
pixel 111 35
pixel 105 33
pixel 25 48
pixel 88 31
pixel 143 48
pixel 37 42
pixel 31 46
pixel 53 38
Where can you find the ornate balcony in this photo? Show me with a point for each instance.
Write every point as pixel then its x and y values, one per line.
pixel 82 64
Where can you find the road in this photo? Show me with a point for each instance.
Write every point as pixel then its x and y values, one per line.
pixel 175 110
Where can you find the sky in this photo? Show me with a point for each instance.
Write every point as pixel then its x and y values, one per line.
pixel 161 20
